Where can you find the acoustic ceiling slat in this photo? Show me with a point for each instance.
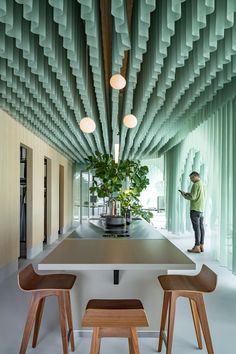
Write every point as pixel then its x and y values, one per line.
pixel 52 53
pixel 187 32
pixel 206 96
pixel 121 43
pixel 178 58
pixel 39 96
pixel 202 81
pixel 32 111
pixel 65 15
pixel 220 99
pixel 90 14
pixel 161 31
pixel 35 60
pixel 25 117
pixel 140 35
pixel 197 60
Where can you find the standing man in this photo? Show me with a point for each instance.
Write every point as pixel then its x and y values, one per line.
pixel 197 202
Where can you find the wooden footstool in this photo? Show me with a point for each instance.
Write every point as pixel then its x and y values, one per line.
pixel 115 318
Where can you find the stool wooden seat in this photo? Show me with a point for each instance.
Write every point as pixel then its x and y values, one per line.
pixel 115 318
pixel 42 286
pixel 193 288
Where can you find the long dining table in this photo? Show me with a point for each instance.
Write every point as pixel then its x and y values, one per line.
pixel 117 265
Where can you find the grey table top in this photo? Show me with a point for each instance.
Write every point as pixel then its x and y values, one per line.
pixel 138 229
pixel 145 249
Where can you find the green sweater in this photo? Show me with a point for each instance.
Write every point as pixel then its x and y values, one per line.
pixel 197 196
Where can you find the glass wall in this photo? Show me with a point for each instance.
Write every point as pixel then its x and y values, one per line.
pixel 86 205
pixel 153 196
pixel 211 150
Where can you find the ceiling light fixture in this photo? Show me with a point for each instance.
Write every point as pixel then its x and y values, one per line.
pixel 130 121
pixel 117 82
pixel 87 125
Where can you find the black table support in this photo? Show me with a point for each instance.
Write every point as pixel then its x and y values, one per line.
pixel 116 277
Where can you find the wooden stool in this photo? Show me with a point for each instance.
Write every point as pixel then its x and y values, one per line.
pixel 115 318
pixel 42 286
pixel 193 288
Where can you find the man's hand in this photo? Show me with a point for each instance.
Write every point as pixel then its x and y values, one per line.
pixel 184 194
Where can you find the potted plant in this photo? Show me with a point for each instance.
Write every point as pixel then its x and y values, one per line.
pixel 123 181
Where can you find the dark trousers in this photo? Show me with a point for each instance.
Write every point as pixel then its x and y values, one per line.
pixel 198 227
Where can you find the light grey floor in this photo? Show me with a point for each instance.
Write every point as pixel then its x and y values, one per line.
pixel 221 309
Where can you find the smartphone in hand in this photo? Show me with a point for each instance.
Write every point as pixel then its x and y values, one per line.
pixel 183 193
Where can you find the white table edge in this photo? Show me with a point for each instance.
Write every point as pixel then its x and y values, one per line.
pixel 76 267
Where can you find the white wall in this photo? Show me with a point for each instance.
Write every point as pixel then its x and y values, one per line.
pixel 12 135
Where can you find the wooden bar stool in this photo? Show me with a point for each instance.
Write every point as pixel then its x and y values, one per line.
pixel 42 286
pixel 193 288
pixel 115 318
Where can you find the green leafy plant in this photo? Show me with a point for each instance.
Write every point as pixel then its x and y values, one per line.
pixel 123 181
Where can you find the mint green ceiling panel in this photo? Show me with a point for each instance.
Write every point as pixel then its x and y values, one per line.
pixel 211 107
pixel 121 41
pixel 214 69
pixel 178 57
pixel 25 116
pixel 187 31
pixel 197 60
pixel 65 15
pixel 140 30
pixel 90 14
pixel 165 16
pixel 30 109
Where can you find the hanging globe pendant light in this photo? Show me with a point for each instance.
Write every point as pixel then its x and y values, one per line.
pixel 117 82
pixel 130 121
pixel 87 125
